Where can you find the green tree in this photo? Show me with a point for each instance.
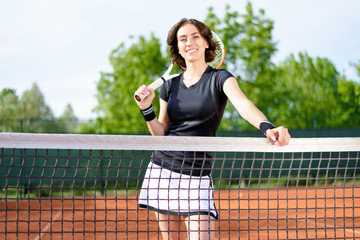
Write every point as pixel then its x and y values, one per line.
pixel 6 91
pixel 30 113
pixel 8 109
pixel 356 65
pixel 306 93
pixel 36 115
pixel 348 96
pixel 139 64
pixel 91 126
pixel 68 122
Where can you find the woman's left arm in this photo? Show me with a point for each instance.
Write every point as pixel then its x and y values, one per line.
pixel 252 114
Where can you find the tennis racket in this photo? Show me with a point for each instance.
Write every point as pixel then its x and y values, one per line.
pixel 158 82
pixel 216 63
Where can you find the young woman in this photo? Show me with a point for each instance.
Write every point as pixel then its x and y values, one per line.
pixel 177 185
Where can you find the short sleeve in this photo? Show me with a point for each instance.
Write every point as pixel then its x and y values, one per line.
pixel 165 91
pixel 222 76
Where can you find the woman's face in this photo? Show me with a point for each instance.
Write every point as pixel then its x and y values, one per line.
pixel 191 44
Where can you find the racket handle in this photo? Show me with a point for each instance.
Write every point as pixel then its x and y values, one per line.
pixel 154 85
pixel 138 96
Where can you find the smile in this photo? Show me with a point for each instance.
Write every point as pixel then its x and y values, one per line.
pixel 191 50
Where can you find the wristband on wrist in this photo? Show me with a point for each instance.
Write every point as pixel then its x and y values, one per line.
pixel 148 113
pixel 265 125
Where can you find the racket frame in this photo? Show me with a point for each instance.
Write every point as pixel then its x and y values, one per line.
pixel 157 83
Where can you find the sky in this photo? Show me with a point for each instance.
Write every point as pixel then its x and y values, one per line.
pixel 63 46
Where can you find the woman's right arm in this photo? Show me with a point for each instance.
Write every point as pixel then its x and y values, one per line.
pixel 157 126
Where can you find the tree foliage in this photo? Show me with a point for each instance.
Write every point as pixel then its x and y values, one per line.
pixel 311 93
pixel 356 65
pixel 139 64
pixel 30 113
pixel 8 109
pixel 303 89
pixel 68 121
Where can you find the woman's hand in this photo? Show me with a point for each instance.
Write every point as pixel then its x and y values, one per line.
pixel 279 135
pixel 145 102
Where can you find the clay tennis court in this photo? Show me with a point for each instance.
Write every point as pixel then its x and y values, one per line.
pixel 284 213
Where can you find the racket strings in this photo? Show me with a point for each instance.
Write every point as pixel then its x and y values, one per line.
pixel 217 62
pixel 219 52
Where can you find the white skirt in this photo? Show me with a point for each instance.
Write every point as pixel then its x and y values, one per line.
pixel 173 193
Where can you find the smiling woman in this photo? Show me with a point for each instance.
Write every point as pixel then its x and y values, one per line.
pixel 192 32
pixel 178 185
pixel 192 48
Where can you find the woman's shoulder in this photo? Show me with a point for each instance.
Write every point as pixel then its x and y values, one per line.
pixel 222 74
pixel 175 79
pixel 221 71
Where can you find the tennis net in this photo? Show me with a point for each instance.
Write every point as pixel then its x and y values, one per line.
pixel 55 186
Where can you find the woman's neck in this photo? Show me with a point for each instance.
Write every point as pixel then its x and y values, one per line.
pixel 194 71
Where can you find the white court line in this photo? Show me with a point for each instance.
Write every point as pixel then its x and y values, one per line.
pixel 48 225
pixel 328 226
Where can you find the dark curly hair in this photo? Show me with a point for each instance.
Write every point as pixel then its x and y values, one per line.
pixel 204 31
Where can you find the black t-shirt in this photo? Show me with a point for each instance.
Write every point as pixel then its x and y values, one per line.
pixel 193 111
